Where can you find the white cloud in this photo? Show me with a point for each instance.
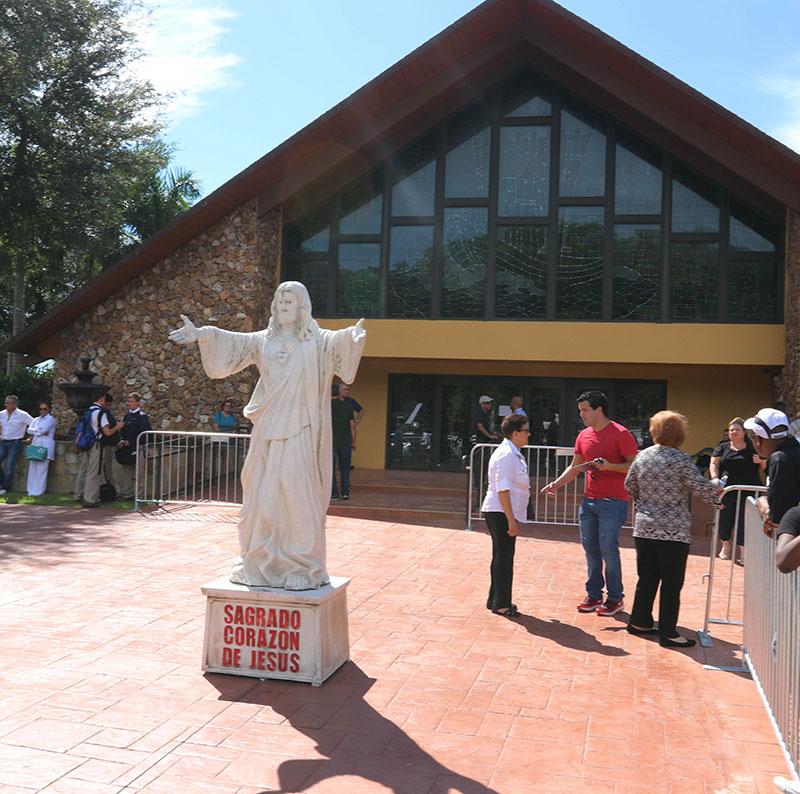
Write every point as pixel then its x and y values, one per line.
pixel 788 89
pixel 184 57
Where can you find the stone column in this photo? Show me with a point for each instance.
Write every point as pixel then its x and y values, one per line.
pixel 788 386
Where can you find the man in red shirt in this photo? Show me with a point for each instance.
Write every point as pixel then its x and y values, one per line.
pixel 604 450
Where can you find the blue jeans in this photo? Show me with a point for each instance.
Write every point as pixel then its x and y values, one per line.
pixel 600 521
pixel 9 452
pixel 341 458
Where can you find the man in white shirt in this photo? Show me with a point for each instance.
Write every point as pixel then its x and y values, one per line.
pixel 13 424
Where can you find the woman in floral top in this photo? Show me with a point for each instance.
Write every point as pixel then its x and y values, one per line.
pixel 660 480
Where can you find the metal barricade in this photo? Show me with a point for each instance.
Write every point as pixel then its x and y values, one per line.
pixel 772 638
pixel 545 464
pixel 741 491
pixel 189 467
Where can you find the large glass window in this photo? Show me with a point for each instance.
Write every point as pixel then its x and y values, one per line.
pixel 637 264
pixel 415 179
pixel 695 203
pixel 362 207
pixel 489 214
pixel 464 271
pixel 748 232
pixel 410 271
pixel 637 181
pixel 466 169
pixel 752 290
pixel 694 278
pixel 521 280
pixel 311 234
pixel 524 171
pixel 525 95
pixel 314 274
pixel 358 285
pixel 583 153
pixel 579 277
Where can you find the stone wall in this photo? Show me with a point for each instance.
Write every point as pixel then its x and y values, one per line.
pixel 788 382
pixel 225 276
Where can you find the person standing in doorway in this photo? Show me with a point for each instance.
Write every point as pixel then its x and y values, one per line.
pixel 516 406
pixel 604 450
pixel 13 424
pixel 343 426
pixel 482 422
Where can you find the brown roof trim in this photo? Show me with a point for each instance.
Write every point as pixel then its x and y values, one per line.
pixel 708 132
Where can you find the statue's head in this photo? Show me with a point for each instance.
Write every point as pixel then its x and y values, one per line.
pixel 291 306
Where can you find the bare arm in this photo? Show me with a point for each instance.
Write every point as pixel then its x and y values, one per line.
pixel 505 502
pixel 486 433
pixel 787 553
pixel 566 476
pixel 622 468
pixel 353 432
pixel 713 468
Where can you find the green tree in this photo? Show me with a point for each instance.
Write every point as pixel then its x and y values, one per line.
pixel 78 134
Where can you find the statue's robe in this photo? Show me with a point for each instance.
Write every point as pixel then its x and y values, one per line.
pixel 286 479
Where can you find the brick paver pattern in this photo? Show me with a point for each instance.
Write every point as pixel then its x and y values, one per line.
pixel 102 692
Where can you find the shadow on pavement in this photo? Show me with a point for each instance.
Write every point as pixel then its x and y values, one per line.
pixel 44 535
pixel 389 756
pixel 566 635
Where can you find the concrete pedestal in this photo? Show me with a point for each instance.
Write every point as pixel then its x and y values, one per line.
pixel 268 632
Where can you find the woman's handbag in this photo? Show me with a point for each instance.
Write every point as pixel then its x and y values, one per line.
pixel 36 452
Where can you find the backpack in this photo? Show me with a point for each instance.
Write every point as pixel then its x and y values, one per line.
pixel 85 435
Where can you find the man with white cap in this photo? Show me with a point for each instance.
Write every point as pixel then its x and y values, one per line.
pixel 481 417
pixel 775 443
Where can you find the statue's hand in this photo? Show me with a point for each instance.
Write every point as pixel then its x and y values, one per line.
pixel 358 330
pixel 185 335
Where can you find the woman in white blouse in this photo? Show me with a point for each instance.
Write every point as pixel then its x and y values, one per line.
pixel 43 430
pixel 504 508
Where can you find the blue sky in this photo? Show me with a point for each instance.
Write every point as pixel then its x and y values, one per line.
pixel 244 75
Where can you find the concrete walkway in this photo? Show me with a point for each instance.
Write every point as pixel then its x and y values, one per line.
pixel 102 632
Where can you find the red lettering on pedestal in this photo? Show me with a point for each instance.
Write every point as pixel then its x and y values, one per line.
pixel 231 657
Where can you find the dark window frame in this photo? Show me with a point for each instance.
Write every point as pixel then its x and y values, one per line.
pixel 496 120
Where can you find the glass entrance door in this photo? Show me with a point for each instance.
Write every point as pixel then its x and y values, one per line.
pixel 454 428
pixel 543 404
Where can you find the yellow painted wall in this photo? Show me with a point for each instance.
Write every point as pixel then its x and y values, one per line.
pixel 709 395
pixel 667 343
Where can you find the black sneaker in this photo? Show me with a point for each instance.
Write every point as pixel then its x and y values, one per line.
pixel 335 497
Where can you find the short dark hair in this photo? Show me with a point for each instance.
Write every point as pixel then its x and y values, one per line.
pixel 595 398
pixel 335 390
pixel 107 396
pixel 512 423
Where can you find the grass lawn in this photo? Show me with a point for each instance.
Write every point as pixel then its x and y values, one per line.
pixel 61 500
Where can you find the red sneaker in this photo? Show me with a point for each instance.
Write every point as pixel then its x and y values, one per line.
pixel 589 604
pixel 610 608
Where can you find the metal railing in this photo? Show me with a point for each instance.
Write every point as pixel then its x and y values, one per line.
pixel 189 467
pixel 771 645
pixel 544 465
pixel 741 491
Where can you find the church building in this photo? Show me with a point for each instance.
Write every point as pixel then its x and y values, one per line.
pixel 522 205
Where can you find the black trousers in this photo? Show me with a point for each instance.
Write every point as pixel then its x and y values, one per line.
pixel 727 516
pixel 659 562
pixel 502 568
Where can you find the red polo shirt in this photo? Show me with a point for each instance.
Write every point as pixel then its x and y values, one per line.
pixel 616 445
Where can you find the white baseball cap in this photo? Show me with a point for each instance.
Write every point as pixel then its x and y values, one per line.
pixel 769 423
pixel 485 398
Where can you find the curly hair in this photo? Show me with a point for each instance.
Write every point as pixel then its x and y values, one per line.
pixel 668 428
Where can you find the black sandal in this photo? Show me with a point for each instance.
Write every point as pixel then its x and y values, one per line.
pixel 508 612
pixel 631 629
pixel 676 642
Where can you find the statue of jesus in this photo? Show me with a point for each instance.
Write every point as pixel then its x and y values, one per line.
pixel 286 479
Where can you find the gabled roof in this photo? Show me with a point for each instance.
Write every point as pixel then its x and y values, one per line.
pixel 431 81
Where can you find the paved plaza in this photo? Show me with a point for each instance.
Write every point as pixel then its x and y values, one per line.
pixel 102 633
